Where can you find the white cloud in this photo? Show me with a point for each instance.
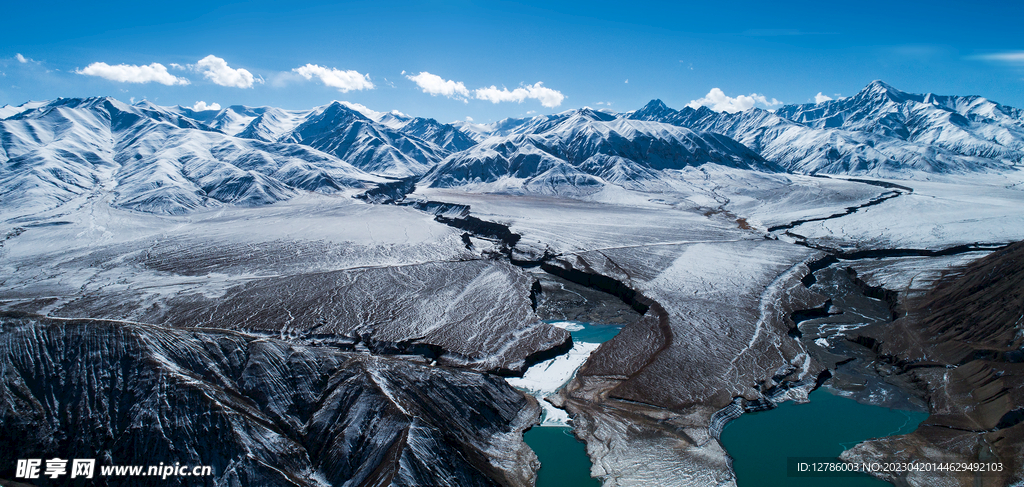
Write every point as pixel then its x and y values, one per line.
pixel 627 81
pixel 547 97
pixel 129 73
pixel 819 98
pixel 217 70
pixel 201 106
pixel 344 81
pixel 178 66
pixel 368 113
pixel 436 85
pixel 1014 57
pixel 468 118
pixel 717 100
pixel 20 58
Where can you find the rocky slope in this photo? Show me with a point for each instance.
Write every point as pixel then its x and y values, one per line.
pixel 963 343
pixel 259 411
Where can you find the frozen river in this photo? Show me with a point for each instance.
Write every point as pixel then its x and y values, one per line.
pixel 564 460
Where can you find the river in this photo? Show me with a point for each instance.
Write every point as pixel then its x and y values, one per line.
pixel 759 443
pixel 563 458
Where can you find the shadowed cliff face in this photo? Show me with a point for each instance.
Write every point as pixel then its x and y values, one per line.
pixel 259 411
pixel 963 341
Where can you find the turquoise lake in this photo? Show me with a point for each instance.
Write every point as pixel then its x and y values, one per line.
pixel 759 443
pixel 563 458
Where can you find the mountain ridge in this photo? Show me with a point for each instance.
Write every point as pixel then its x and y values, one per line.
pixel 176 159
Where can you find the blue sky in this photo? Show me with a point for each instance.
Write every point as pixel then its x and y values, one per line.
pixel 581 53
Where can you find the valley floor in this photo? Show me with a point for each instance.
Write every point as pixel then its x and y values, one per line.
pixel 390 327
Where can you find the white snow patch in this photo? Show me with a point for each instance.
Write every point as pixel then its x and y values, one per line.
pixel 568 325
pixel 547 377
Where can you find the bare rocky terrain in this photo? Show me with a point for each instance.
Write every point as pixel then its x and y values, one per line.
pixel 961 343
pixel 258 410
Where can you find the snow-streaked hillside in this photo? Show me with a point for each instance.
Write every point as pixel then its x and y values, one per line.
pixel 580 151
pixel 175 159
pixel 272 123
pixel 879 132
pixel 392 138
pixel 151 159
pixel 370 146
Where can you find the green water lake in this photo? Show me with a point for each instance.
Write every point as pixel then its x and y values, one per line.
pixel 760 443
pixel 563 458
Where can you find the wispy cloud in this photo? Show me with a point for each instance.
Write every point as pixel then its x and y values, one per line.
pixel 1010 57
pixel 436 85
pixel 217 70
pixel 129 73
pixel 718 101
pixel 21 59
pixel 201 106
pixel 819 98
pixel 547 96
pixel 344 81
pixel 359 107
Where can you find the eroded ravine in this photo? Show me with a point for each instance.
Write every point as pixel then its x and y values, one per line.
pixel 591 398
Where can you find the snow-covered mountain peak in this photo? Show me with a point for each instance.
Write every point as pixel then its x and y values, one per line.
pixel 151 159
pixel 146 104
pixel 580 151
pixel 8 111
pixel 880 131
pixel 653 110
pixel 590 114
pixel 879 87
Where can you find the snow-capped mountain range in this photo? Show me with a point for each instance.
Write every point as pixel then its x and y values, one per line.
pixel 585 149
pixel 880 131
pixel 173 160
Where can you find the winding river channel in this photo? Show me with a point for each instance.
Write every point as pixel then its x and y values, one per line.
pixel 563 458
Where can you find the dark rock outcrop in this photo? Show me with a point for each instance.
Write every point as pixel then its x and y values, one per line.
pixel 963 341
pixel 258 411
